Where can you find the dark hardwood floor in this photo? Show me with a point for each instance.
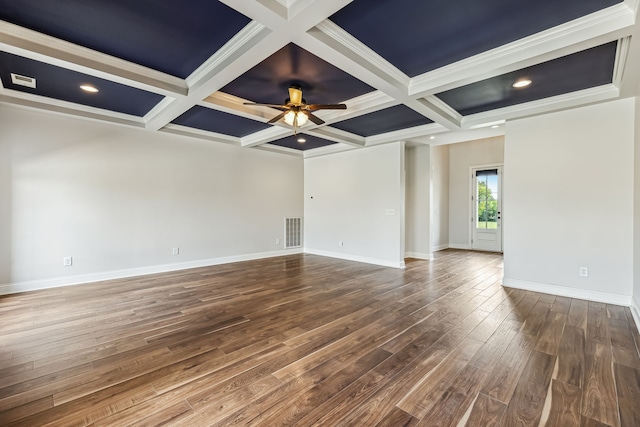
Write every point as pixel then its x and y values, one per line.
pixel 305 340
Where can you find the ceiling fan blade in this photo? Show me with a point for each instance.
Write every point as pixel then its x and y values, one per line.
pixel 295 95
pixel 278 117
pixel 315 107
pixel 315 119
pixel 278 106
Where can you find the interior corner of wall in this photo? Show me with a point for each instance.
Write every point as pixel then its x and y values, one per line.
pixel 635 310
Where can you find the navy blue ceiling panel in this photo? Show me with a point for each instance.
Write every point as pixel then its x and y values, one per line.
pixel 582 70
pixel 383 121
pixel 63 84
pixel 310 142
pixel 420 36
pixel 169 36
pixel 219 122
pixel 321 82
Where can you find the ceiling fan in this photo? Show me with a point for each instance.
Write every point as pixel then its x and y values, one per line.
pixel 296 111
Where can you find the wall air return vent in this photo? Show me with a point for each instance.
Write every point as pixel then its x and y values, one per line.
pixel 19 80
pixel 292 233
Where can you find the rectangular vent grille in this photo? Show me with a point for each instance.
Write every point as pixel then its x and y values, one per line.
pixel 19 80
pixel 292 232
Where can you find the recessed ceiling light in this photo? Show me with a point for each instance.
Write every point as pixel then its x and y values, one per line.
pixel 432 137
pixel 495 127
pixel 522 83
pixel 89 88
pixel 302 140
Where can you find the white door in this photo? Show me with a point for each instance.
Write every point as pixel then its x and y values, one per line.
pixel 486 209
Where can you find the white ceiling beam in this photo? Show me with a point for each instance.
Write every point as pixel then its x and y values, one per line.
pixel 200 134
pixel 40 47
pixel 68 108
pixel 543 106
pixel 580 34
pixel 334 45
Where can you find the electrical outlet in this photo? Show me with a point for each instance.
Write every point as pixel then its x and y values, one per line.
pixel 67 261
pixel 277 241
pixel 176 251
pixel 584 272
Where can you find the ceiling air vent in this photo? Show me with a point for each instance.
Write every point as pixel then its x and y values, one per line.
pixel 17 79
pixel 292 233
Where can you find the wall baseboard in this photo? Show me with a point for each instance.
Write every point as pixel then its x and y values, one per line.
pixel 635 312
pixel 456 246
pixel 440 248
pixel 418 255
pixel 11 288
pixel 348 257
pixel 565 291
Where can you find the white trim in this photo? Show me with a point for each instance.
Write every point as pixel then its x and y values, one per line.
pixel 579 34
pixel 457 246
pixel 40 47
pixel 418 255
pixel 35 285
pixel 201 134
pixel 544 106
pixel 566 291
pixel 635 312
pixel 356 258
pixel 472 205
pixel 348 45
pixel 440 248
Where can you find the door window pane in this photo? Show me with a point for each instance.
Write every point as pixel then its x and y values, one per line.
pixel 487 199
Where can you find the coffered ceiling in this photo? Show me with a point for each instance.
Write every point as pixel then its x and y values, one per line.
pixel 430 71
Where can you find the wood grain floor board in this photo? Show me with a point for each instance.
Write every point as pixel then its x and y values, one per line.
pixel 623 346
pixel 550 333
pixel 562 407
pixel 306 340
pixel 571 357
pixel 424 395
pixel 628 388
pixel 486 412
pixel 397 418
pixel 526 406
pixel 455 402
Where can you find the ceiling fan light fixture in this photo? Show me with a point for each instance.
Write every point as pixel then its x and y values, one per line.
pixel 295 118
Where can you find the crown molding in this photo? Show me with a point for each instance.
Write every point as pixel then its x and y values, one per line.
pixel 267 135
pixel 404 134
pixel 548 105
pixel 596 28
pixel 329 149
pixel 280 150
pixel 200 134
pixel 51 105
pixel 43 48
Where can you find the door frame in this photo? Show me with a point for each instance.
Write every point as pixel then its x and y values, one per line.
pixel 471 200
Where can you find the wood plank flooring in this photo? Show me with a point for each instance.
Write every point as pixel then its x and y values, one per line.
pixel 311 341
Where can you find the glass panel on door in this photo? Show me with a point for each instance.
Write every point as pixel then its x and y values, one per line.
pixel 487 199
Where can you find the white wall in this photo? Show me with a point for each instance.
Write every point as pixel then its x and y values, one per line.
pixel 461 157
pixel 636 218
pixel 568 194
pixel 440 197
pixel 418 202
pixel 346 198
pixel 118 199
